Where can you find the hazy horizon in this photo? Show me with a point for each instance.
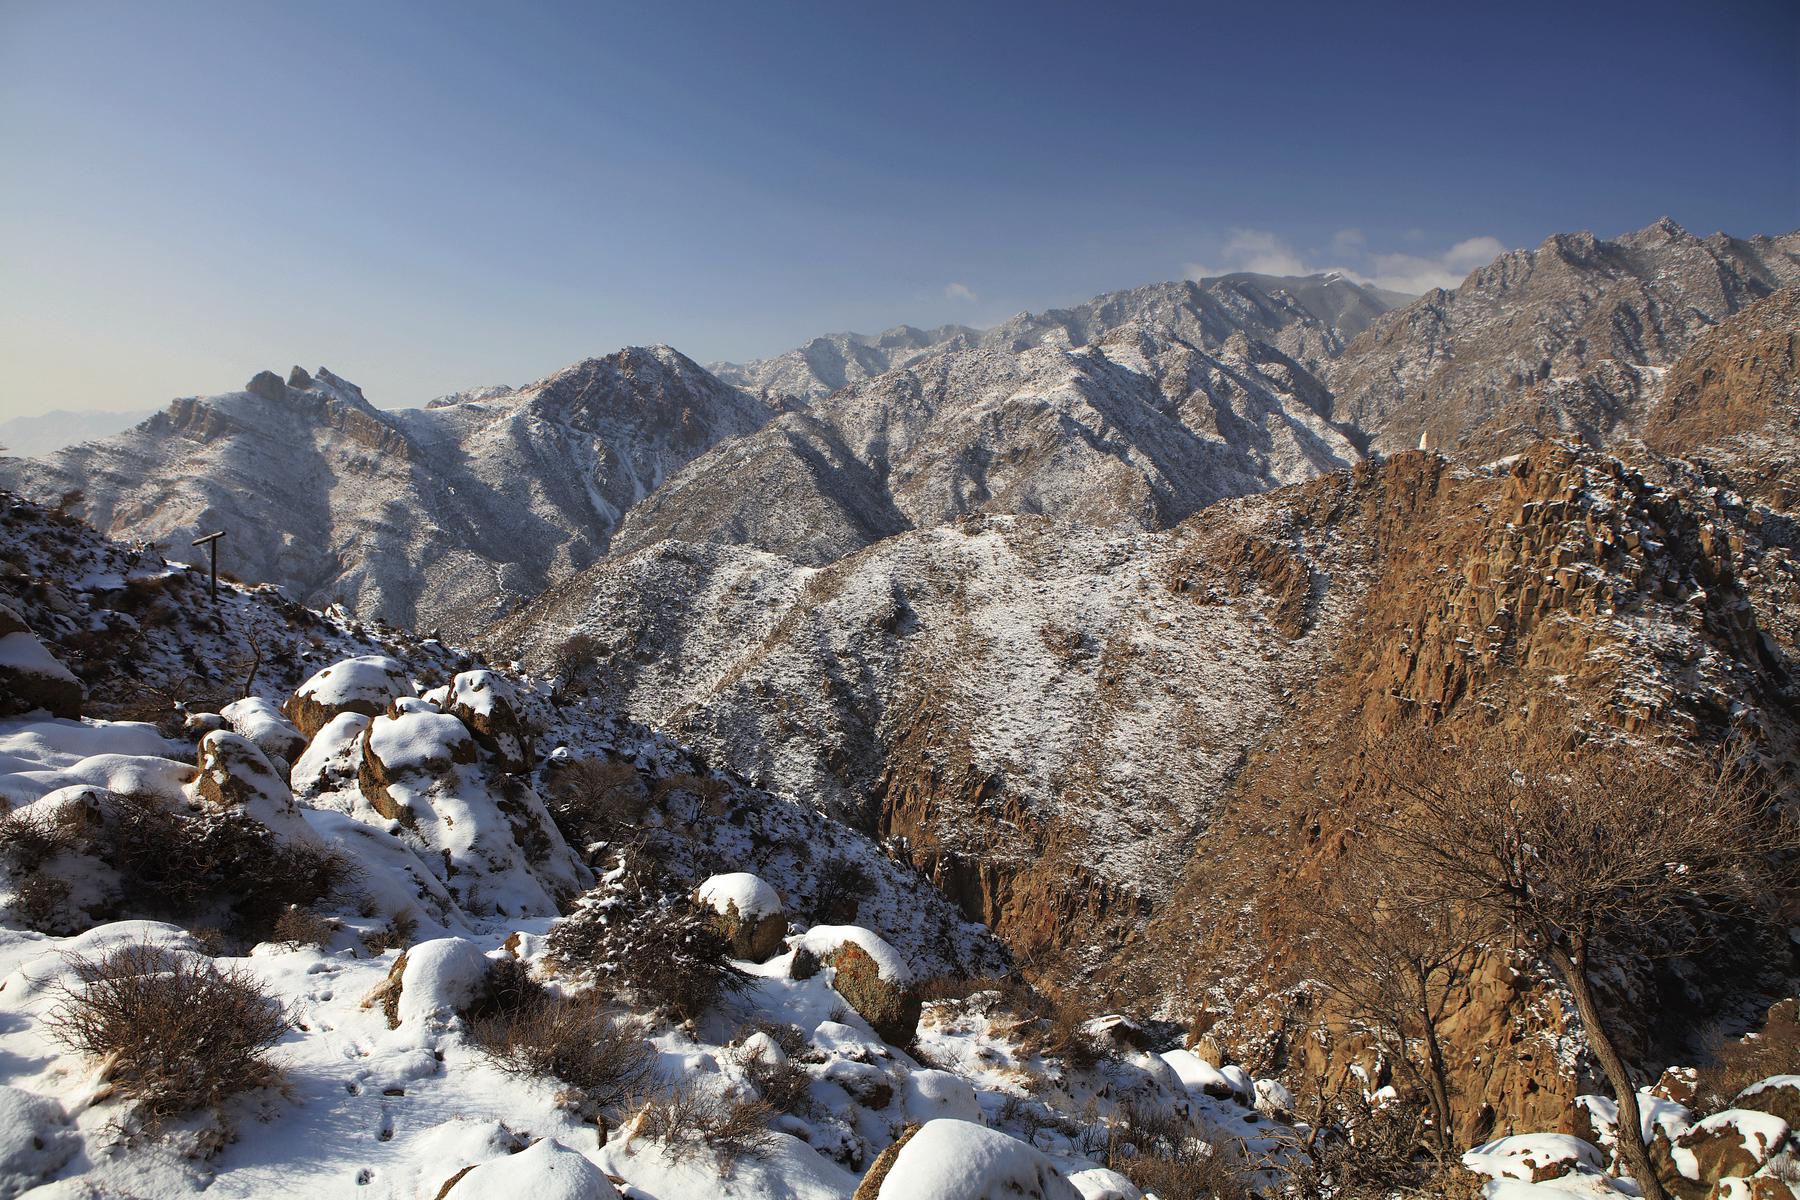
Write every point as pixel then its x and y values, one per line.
pixel 430 198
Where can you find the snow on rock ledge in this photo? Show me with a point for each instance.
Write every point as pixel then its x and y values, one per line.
pixel 960 1160
pixel 1534 1157
pixel 261 722
pixel 31 678
pixel 365 684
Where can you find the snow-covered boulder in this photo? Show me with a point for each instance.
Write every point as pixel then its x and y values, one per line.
pixel 1730 1144
pixel 1778 1094
pixel 1217 1083
pixel 932 1094
pixel 261 722
pixel 432 981
pixel 406 753
pixel 331 760
pixel 548 1170
pixel 487 704
pixel 961 1160
pixel 31 678
pixel 491 840
pixel 235 774
pixel 747 912
pixel 365 684
pixel 867 972
pixel 1534 1157
pixel 35 1140
pixel 1098 1183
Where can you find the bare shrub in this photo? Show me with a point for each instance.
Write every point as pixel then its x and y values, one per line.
pixel 791 1038
pixel 575 1039
pixel 641 934
pixel 397 934
pixel 1772 1050
pixel 783 1083
pixel 1575 852
pixel 1160 1151
pixel 685 1119
pixel 303 927
pixel 177 1032
pixel 595 799
pixel 842 883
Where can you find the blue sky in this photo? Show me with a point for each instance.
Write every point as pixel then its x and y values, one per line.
pixel 425 197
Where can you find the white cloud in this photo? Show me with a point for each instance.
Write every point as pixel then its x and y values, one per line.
pixel 1265 253
pixel 959 291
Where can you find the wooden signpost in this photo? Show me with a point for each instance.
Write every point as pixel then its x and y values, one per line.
pixel 211 542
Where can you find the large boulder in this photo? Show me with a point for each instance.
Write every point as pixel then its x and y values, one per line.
pixel 747 912
pixel 1732 1144
pixel 487 704
pixel 961 1160
pixel 263 723
pixel 236 774
pixel 414 747
pixel 549 1170
pixel 31 678
pixel 868 973
pixel 1778 1094
pixel 366 685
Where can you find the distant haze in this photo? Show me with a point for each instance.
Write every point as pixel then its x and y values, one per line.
pixel 428 197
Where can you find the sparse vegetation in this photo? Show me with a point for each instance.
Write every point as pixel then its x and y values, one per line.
pixel 685 1119
pixel 578 1040
pixel 595 799
pixel 642 936
pixel 1772 1050
pixel 176 1032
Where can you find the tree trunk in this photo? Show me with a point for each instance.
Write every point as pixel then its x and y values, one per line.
pixel 1437 1081
pixel 1630 1130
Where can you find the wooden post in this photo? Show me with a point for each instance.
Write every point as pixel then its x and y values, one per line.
pixel 211 542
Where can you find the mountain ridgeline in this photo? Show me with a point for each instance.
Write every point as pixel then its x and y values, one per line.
pixel 1089 617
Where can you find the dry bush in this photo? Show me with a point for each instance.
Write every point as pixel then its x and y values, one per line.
pixel 685 1119
pixel 182 865
pixel 842 882
pixel 783 1083
pixel 575 1039
pixel 595 799
pixel 397 934
pixel 1773 1050
pixel 640 933
pixel 303 927
pixel 1160 1151
pixel 177 1033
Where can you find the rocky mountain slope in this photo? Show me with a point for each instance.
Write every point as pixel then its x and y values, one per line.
pixel 1071 729
pixel 1583 321
pixel 434 517
pixel 1137 429
pixel 1310 318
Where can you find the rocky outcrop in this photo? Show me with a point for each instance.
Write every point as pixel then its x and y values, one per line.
pixel 365 685
pixel 1433 372
pixel 487 704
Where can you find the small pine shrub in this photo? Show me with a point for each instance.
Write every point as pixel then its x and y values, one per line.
pixel 178 1033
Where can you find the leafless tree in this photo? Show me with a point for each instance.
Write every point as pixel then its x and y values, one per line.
pixel 1388 951
pixel 1574 849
